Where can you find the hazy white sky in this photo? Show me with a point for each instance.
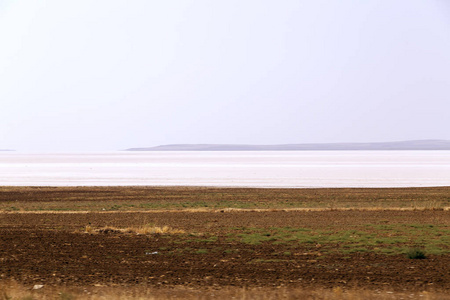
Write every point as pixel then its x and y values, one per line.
pixel 108 75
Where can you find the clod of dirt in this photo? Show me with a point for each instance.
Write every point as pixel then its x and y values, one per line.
pixel 108 231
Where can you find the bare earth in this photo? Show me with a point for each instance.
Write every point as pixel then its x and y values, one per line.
pixel 55 248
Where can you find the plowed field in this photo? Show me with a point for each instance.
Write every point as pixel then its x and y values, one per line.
pixel 359 248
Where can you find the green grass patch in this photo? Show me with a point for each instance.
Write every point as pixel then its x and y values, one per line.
pixel 201 251
pixel 210 239
pixel 385 239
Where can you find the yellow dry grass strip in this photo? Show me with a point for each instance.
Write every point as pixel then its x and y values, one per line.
pixel 222 210
pixel 144 229
pixel 13 290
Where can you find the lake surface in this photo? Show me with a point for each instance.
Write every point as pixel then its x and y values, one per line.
pixel 294 169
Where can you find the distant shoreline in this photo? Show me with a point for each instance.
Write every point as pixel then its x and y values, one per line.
pixel 401 145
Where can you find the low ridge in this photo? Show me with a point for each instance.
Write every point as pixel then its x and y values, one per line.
pixel 401 145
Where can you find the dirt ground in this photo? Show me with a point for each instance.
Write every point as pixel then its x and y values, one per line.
pixel 55 249
pixel 181 198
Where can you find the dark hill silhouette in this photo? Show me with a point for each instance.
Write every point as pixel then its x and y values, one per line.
pixel 402 145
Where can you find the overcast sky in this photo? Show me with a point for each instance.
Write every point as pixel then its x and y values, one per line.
pixel 109 75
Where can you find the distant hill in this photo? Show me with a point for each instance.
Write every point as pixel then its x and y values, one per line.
pixel 403 145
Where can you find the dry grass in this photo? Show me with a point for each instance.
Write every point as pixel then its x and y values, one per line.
pixel 229 210
pixel 148 229
pixel 12 290
pixel 144 229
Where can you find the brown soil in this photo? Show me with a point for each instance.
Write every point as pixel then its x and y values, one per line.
pixel 220 221
pixel 138 198
pixel 53 249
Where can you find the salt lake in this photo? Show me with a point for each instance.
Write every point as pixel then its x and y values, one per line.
pixel 291 169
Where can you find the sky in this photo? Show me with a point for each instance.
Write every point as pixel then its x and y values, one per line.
pixel 108 75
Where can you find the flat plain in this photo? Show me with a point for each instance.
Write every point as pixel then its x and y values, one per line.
pixel 327 243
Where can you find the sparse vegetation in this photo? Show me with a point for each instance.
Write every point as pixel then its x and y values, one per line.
pixel 388 239
pixel 199 198
pixel 201 251
pixel 140 238
pixel 14 291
